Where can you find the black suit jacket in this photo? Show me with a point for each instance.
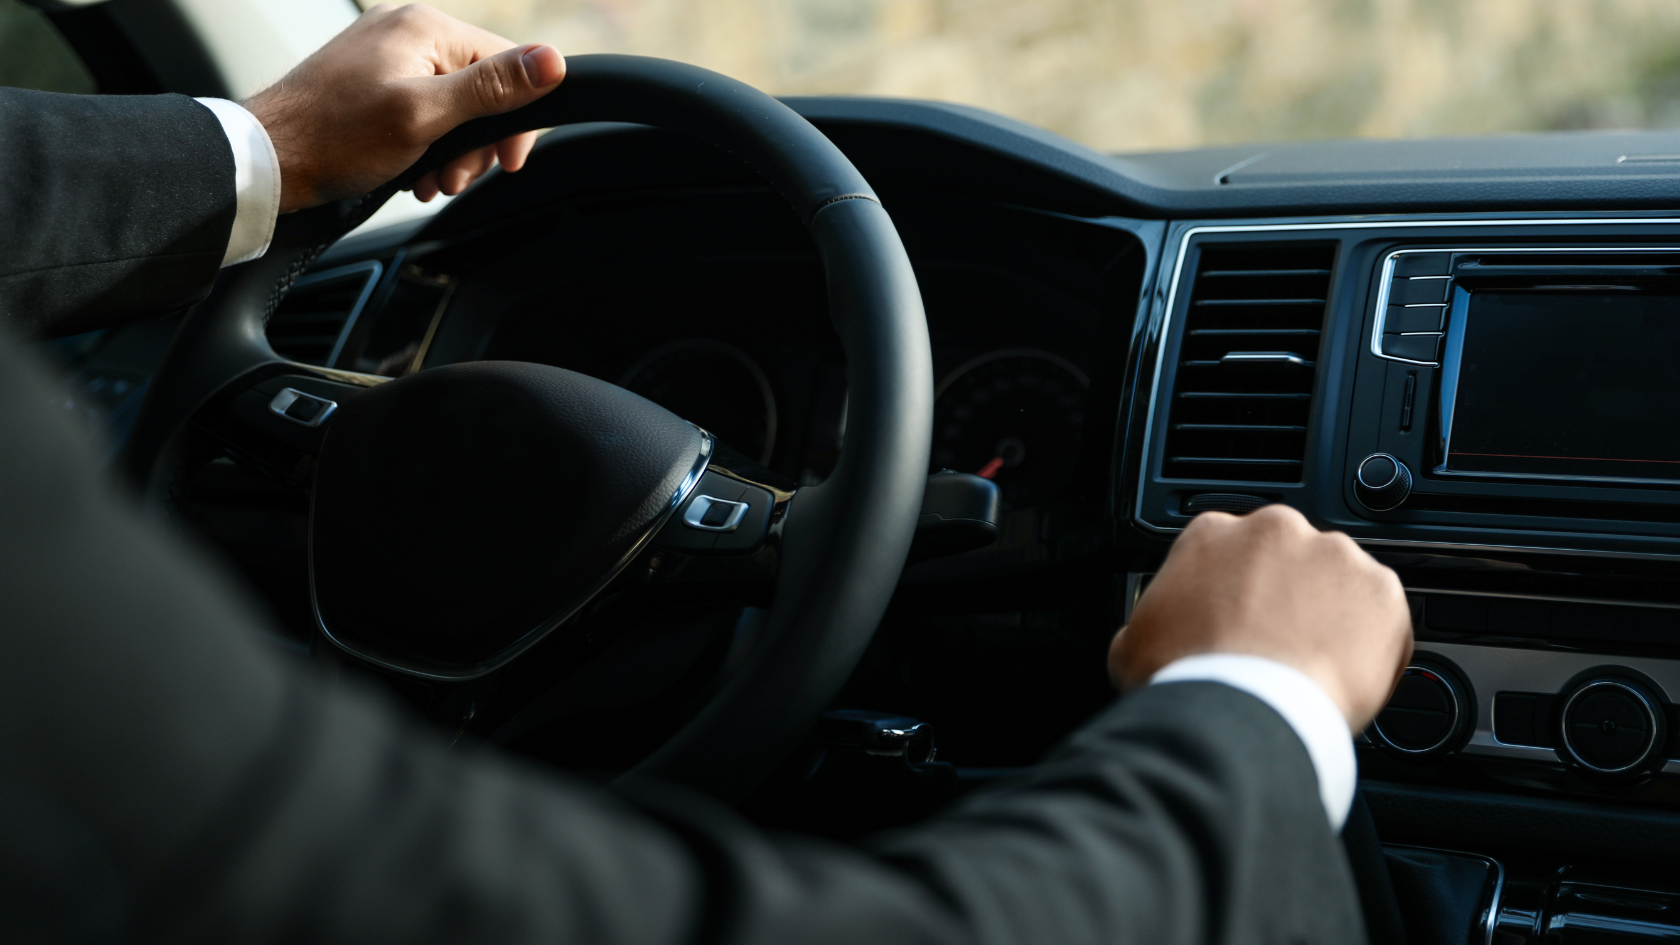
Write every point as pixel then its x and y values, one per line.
pixel 166 776
pixel 111 207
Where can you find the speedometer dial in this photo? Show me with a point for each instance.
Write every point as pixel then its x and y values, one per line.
pixel 716 385
pixel 1013 417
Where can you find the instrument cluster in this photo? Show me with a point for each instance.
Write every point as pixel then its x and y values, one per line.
pixel 1012 415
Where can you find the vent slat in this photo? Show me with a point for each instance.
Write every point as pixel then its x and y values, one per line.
pixel 1244 427
pixel 1200 394
pixel 1239 413
pixel 1234 460
pixel 1260 273
pixel 1248 364
pixel 1273 332
pixel 1269 302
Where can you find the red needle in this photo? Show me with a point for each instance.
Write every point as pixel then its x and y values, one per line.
pixel 991 469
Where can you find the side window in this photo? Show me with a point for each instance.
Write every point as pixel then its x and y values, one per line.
pixel 33 55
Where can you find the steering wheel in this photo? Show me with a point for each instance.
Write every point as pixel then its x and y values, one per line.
pixel 464 513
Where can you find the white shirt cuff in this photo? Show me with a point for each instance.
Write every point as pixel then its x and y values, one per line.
pixel 1302 703
pixel 256 181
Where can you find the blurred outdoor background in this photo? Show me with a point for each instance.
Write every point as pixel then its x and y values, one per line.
pixel 1123 75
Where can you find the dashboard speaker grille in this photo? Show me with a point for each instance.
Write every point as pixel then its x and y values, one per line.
pixel 315 317
pixel 1246 364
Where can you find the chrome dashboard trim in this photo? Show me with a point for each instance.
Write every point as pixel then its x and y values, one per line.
pixel 1655 713
pixel 409 668
pixel 1506 549
pixel 1164 329
pixel 1494 669
pixel 373 270
pixel 1490 924
pixel 1553 598
pixel 1381 317
pixel 1553 477
pixel 1455 698
pixel 1267 357
pixel 1489 918
pixel 1383 287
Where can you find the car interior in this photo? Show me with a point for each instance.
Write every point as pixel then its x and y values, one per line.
pixel 1464 353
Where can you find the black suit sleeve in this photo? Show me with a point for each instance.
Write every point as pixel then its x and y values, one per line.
pixel 111 208
pixel 167 776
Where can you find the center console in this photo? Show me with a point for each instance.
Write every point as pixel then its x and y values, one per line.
pixel 1490 406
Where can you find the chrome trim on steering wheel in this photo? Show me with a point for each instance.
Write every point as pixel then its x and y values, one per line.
pixel 476 670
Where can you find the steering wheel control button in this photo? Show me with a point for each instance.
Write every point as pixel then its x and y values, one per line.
pixel 300 408
pixel 1382 482
pixel 1427 716
pixel 714 515
pixel 722 516
pixel 1612 727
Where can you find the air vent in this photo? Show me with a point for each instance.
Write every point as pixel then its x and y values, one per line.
pixel 1246 365
pixel 316 316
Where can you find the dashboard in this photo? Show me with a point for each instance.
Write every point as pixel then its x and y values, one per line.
pixel 1464 354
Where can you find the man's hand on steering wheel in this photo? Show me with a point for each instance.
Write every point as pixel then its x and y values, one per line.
pixel 365 107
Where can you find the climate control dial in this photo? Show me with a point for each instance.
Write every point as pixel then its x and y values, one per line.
pixel 1612 726
pixel 1428 716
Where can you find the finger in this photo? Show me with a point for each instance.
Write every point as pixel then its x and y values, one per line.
pixel 426 188
pixel 1203 528
pixel 512 152
pixel 1282 519
pixel 1117 660
pixel 461 172
pixel 501 83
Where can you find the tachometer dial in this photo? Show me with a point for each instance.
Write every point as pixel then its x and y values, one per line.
pixel 716 385
pixel 1014 417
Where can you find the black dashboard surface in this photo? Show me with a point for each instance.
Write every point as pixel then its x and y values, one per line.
pixel 1579 171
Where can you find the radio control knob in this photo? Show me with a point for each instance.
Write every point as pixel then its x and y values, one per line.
pixel 1382 482
pixel 1612 726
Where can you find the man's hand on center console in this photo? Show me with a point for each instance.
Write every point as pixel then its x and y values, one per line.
pixel 1270 585
pixel 364 107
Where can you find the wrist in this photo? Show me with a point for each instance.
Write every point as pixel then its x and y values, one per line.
pixel 271 115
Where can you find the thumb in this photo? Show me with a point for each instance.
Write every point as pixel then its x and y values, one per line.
pixel 501 83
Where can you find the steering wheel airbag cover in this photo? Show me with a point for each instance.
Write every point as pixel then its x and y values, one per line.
pixel 460 510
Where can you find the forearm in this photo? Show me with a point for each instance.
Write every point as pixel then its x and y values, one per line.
pixel 1186 815
pixel 116 207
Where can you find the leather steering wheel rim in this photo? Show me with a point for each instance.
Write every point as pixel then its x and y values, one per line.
pixel 844 542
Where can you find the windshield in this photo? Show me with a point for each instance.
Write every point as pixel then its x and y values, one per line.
pixel 1128 75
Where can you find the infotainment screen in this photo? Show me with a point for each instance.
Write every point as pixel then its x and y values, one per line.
pixel 1573 383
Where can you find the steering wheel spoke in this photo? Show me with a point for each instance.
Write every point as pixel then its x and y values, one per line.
pixel 274 418
pixel 729 528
